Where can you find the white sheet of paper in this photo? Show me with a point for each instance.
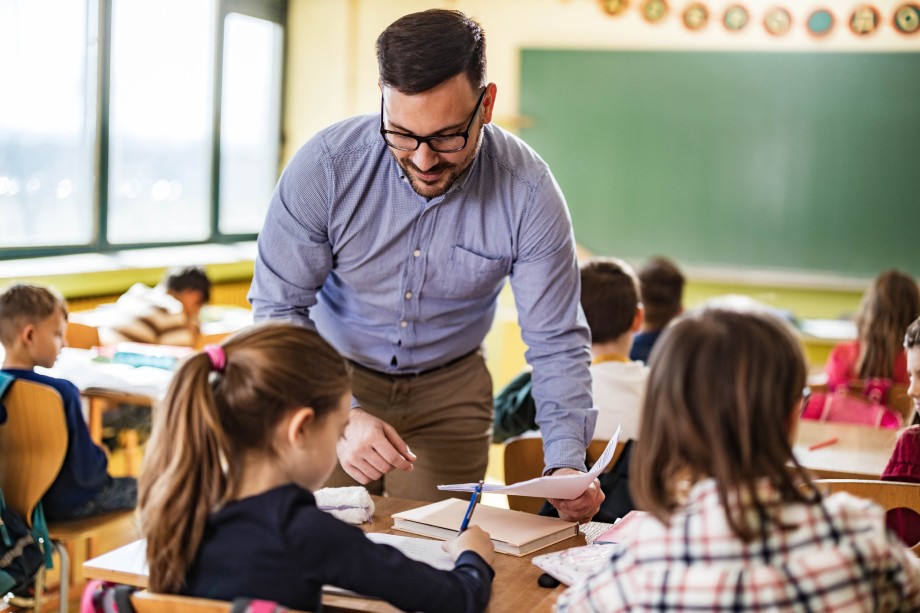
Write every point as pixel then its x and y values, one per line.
pixel 419 549
pixel 564 487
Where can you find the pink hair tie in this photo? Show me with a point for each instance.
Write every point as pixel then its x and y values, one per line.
pixel 217 356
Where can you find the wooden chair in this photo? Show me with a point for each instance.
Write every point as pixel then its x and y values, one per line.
pixel 888 494
pixel 148 602
pixel 26 470
pixel 33 445
pixel 81 335
pixel 523 460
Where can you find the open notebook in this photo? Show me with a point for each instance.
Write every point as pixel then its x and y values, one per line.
pixel 512 532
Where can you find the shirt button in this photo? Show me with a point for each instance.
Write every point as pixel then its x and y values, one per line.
pixel 408 295
pixel 404 324
pixel 417 252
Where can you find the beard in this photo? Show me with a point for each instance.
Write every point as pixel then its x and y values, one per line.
pixel 448 171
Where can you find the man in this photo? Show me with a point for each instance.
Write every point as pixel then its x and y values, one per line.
pixel 393 235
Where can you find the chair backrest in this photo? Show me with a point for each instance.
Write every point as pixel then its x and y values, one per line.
pixel 81 335
pixel 33 443
pixel 523 460
pixel 888 494
pixel 148 602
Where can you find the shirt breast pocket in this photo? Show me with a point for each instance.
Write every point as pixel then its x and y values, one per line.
pixel 467 275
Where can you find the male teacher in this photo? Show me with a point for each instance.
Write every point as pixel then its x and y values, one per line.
pixel 392 235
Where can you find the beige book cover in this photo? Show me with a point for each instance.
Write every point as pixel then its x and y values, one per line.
pixel 513 532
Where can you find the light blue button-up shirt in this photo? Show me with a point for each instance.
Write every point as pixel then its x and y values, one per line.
pixel 400 283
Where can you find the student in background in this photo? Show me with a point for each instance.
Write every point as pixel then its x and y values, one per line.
pixel 904 464
pixel 32 324
pixel 730 526
pixel 248 429
pixel 163 315
pixel 661 288
pixel 610 300
pixel 887 308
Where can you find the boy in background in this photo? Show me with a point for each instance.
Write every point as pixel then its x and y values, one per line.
pixel 32 324
pixel 610 300
pixel 661 286
pixel 163 315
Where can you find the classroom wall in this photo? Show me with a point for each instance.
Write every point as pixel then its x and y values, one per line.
pixel 332 70
pixel 332 74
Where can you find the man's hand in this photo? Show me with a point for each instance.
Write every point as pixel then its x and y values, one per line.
pixel 370 448
pixel 583 508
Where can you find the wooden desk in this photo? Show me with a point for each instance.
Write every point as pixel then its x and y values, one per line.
pixel 859 453
pixel 514 588
pixel 106 385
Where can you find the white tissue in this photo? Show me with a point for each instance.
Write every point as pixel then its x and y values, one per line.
pixel 352 505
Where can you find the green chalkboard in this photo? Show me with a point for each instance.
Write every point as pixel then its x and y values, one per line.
pixel 763 160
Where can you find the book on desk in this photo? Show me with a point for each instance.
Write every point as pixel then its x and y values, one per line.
pixel 513 532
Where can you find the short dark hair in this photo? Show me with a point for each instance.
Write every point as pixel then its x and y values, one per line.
pixel 26 303
pixel 421 50
pixel 912 338
pixel 189 277
pixel 661 285
pixel 609 297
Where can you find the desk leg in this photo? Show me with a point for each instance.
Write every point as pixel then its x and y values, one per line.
pixel 97 406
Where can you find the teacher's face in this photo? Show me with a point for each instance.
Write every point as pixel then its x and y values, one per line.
pixel 447 109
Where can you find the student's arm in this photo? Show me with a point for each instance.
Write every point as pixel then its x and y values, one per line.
pixel 86 461
pixel 351 561
pixel 294 253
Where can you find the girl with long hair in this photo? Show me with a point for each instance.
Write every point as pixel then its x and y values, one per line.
pixel 247 430
pixel 734 523
pixel 886 309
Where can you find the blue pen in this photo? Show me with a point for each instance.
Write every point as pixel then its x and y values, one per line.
pixel 469 510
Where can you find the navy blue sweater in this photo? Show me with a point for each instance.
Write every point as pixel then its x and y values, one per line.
pixel 84 474
pixel 279 546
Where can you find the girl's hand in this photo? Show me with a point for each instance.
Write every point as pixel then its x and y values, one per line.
pixel 474 539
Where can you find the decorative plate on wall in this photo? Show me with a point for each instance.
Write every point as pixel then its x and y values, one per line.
pixel 654 10
pixel 777 21
pixel 864 20
pixel 696 15
pixel 907 19
pixel 614 7
pixel 820 22
pixel 735 18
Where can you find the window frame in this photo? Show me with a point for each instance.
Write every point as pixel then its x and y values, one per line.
pixel 269 10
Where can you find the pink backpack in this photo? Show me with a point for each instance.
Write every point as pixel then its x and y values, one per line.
pixel 846 406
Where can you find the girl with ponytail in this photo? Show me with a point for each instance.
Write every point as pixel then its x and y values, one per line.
pixel 247 430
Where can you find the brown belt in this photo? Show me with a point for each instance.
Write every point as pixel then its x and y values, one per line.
pixel 412 375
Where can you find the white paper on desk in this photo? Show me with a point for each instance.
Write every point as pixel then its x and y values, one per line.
pixel 420 550
pixel 564 487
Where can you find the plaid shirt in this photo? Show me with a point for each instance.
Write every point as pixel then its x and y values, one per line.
pixel 838 557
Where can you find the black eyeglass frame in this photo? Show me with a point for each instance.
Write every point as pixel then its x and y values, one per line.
pixel 430 139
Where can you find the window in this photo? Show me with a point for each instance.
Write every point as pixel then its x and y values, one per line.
pixel 137 122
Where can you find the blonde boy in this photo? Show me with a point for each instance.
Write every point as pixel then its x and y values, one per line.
pixel 32 324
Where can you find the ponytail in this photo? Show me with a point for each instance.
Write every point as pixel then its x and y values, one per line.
pixel 181 480
pixel 221 404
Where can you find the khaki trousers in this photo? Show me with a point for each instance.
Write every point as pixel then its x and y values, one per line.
pixel 445 416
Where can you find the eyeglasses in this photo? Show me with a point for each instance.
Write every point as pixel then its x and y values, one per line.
pixel 442 143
